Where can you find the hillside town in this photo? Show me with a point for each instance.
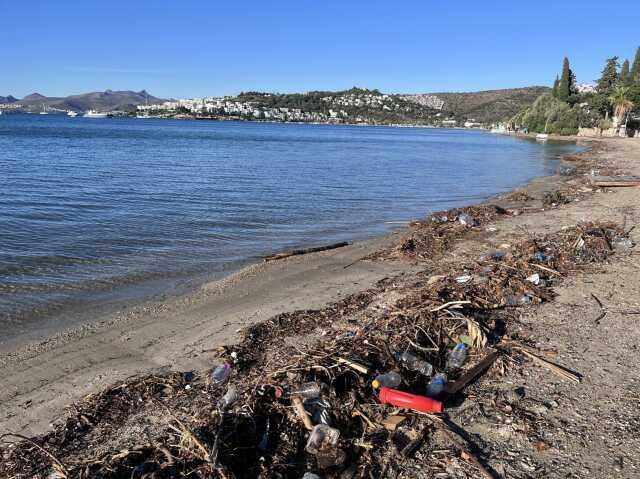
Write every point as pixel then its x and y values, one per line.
pixel 356 106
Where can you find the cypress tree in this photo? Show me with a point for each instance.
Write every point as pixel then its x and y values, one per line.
pixel 625 78
pixel 609 76
pixel 556 84
pixel 565 85
pixel 634 75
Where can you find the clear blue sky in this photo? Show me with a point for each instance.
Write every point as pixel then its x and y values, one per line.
pixel 213 47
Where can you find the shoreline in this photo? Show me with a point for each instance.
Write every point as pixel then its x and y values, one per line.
pixel 131 341
pixel 106 302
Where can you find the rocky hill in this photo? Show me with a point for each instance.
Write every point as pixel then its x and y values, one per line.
pixel 102 101
pixel 483 106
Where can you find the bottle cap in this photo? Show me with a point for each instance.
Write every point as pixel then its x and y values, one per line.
pixel 375 383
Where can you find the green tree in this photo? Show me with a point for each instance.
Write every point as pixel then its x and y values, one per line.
pixel 621 102
pixel 556 85
pixel 634 74
pixel 625 76
pixel 566 85
pixel 609 77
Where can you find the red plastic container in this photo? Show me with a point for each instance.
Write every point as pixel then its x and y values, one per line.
pixel 409 401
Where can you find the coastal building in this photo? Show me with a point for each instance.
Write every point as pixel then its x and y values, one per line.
pixel 586 88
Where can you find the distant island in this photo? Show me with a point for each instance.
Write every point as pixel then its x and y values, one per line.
pixel 354 106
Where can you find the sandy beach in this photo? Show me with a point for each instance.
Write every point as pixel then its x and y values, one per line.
pixel 39 380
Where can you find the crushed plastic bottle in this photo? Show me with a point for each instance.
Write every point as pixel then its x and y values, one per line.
pixel 467 220
pixel 414 363
pixel 436 385
pixel 220 374
pixel 309 390
pixel 540 256
pixel 534 278
pixel 319 409
pixel 322 437
pixel 457 356
pixel 310 475
pixel 230 397
pixel 388 380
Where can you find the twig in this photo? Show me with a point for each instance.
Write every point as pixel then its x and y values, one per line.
pixel 462 444
pixel 449 304
pixel 553 367
pixel 544 268
pixel 597 300
pixel 358 367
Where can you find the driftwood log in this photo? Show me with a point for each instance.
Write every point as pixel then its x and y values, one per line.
pixel 615 181
pixel 296 252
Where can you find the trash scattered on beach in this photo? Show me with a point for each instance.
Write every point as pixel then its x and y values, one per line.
pixel 288 401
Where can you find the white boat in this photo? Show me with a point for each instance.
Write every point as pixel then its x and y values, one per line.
pixel 94 114
pixel 44 111
pixel 72 114
pixel 143 116
pixel 542 137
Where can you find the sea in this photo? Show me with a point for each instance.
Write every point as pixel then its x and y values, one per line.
pixel 91 209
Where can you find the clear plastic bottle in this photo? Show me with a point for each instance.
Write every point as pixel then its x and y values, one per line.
pixel 457 356
pixel 310 475
pixel 230 397
pixel 220 374
pixel 322 437
pixel 414 363
pixel 388 380
pixel 309 390
pixel 436 385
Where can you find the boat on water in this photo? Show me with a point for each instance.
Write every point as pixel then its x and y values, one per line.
pixel 72 113
pixel 542 137
pixel 45 110
pixel 143 116
pixel 95 114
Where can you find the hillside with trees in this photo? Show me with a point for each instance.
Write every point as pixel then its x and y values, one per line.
pixel 611 107
pixel 485 106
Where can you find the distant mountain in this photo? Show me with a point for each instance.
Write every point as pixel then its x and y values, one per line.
pixel 8 99
pixel 483 106
pixel 34 97
pixel 102 101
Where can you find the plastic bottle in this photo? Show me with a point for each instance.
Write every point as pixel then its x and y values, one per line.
pixel 322 437
pixel 388 380
pixel 220 374
pixel 309 390
pixel 457 356
pixel 436 385
pixel 414 363
pixel 319 409
pixel 310 475
pixel 409 401
pixel 230 397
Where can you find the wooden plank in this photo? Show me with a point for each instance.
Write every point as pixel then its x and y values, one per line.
pixel 471 374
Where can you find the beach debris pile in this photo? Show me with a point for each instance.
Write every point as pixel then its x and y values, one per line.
pixel 365 387
pixel 437 233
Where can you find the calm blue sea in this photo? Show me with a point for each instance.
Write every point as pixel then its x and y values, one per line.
pixel 92 204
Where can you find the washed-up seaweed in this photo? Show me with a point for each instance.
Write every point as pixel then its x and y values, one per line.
pixel 173 425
